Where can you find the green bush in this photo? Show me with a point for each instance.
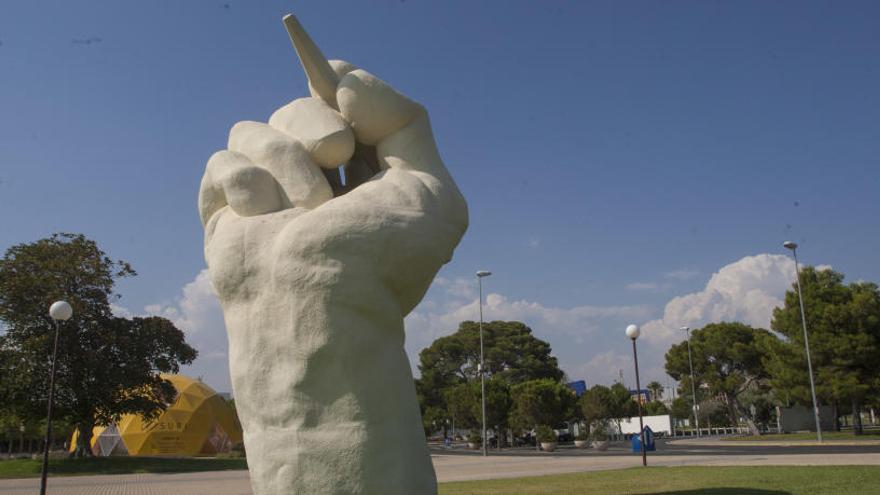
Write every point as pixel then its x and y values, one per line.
pixel 475 438
pixel 232 454
pixel 545 434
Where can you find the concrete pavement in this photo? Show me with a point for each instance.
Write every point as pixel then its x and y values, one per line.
pixel 204 483
pixel 776 443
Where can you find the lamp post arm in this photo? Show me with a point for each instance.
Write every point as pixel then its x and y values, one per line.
pixel 693 384
pixel 797 272
pixel 482 373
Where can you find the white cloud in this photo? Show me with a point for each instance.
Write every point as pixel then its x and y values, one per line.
pixel 588 340
pixel 603 368
pixel 120 311
pixel 197 312
pixel 612 366
pixel 458 287
pixel 570 331
pixel 576 321
pixel 745 291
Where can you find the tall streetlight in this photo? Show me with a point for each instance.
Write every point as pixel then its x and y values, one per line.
pixel 633 333
pixel 797 273
pixel 693 387
pixel 59 311
pixel 480 367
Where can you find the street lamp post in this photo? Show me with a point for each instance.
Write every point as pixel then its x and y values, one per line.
pixel 633 332
pixel 59 311
pixel 453 430
pixel 480 367
pixel 797 273
pixel 693 386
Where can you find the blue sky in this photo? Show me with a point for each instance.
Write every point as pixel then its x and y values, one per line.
pixel 614 155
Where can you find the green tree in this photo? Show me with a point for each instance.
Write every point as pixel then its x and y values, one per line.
pixel 656 408
pixel 682 408
pixel 824 295
pixel 597 404
pixel 729 359
pixel 859 346
pixel 656 389
pixel 607 403
pixel 843 321
pixel 434 419
pixel 623 404
pixel 461 402
pixel 512 355
pixel 107 366
pixel 600 405
pixel 12 428
pixel 762 403
pixel 498 404
pixel 541 402
pixel 22 434
pixel 715 414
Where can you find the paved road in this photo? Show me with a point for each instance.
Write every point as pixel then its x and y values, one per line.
pixel 696 447
pixel 461 465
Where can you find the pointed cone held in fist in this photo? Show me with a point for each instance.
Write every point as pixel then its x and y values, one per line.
pixel 317 68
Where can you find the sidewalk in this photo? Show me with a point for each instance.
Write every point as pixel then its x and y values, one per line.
pixel 464 468
pixel 449 468
pixel 771 443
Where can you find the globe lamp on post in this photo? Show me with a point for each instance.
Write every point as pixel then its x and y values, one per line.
pixel 59 311
pixel 633 332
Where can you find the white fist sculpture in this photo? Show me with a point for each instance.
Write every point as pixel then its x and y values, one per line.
pixel 315 278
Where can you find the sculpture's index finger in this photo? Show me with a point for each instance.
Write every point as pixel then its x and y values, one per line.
pixel 318 70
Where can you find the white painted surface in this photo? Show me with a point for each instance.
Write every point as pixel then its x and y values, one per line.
pixel 658 424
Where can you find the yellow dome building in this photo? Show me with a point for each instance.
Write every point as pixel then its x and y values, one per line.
pixel 199 422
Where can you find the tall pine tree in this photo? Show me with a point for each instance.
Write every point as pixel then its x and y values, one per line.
pixel 843 321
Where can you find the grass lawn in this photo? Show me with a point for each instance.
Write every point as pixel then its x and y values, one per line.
pixel 826 435
pixel 28 468
pixel 770 480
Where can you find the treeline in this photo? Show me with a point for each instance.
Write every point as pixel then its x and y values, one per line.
pixel 523 380
pixel 525 389
pixel 744 373
pixel 107 366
